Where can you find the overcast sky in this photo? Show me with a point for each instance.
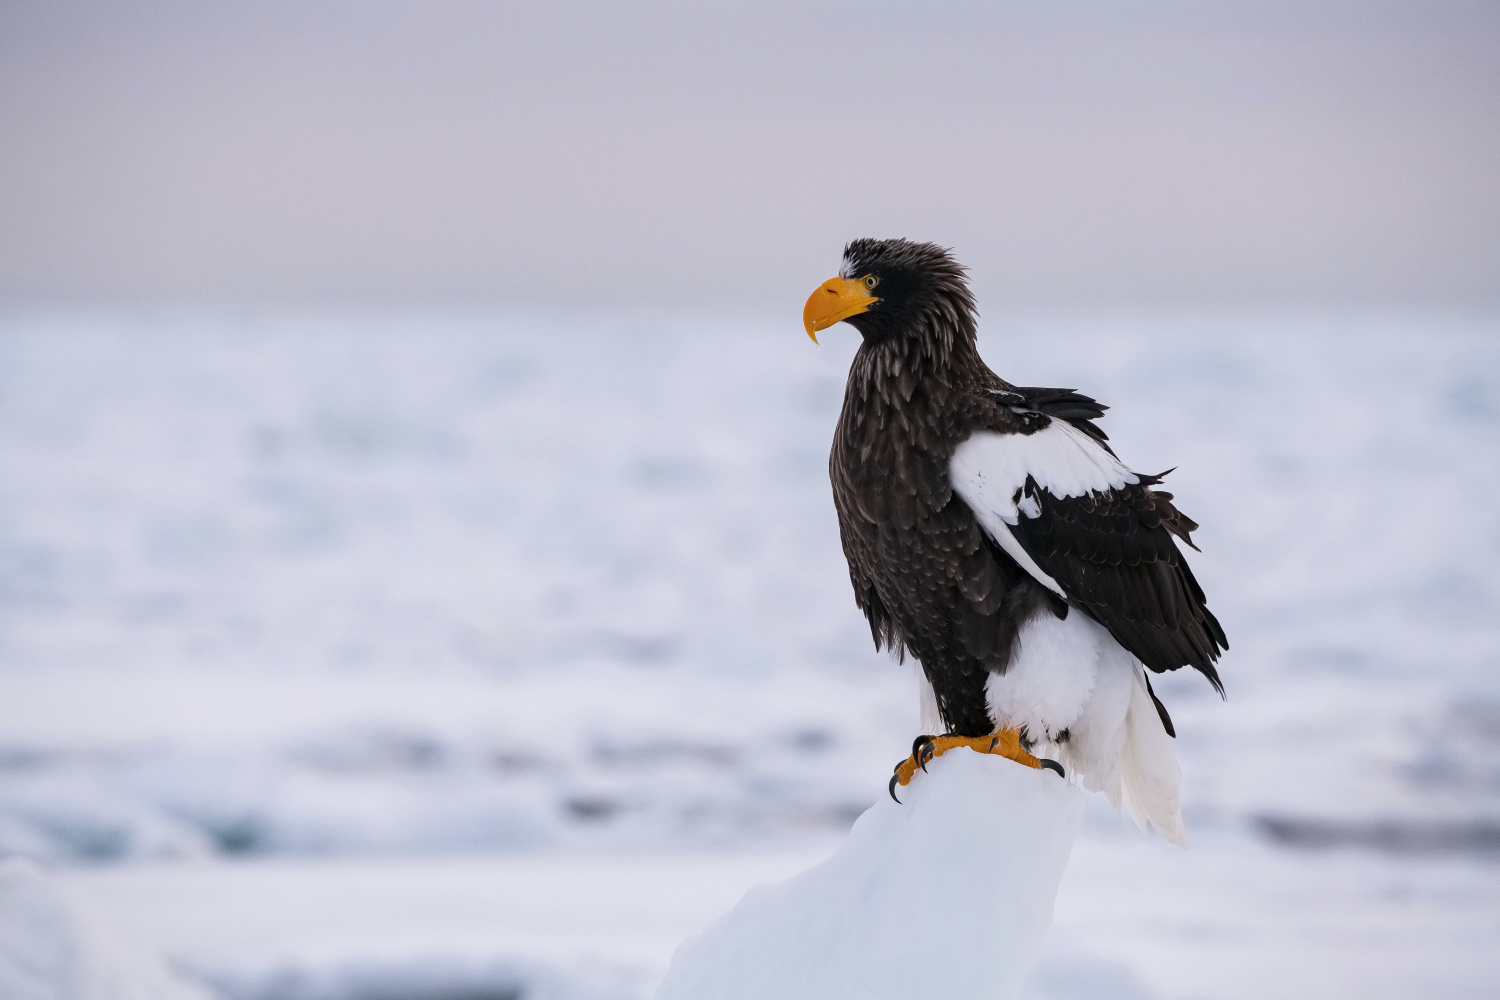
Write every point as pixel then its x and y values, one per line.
pixel 719 155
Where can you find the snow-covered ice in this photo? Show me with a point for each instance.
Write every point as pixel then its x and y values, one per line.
pixel 280 592
pixel 52 948
pixel 948 893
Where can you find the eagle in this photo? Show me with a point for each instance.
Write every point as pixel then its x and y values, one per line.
pixel 993 534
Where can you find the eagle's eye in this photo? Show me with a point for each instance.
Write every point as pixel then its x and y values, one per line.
pixel 871 281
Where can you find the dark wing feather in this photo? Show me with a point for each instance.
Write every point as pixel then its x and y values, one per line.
pixel 1064 404
pixel 1114 554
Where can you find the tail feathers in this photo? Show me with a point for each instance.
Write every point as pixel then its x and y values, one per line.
pixel 1119 746
pixel 1148 788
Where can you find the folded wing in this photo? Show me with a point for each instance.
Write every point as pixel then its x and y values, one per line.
pixel 1056 499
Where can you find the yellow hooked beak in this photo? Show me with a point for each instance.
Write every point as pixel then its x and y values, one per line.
pixel 836 299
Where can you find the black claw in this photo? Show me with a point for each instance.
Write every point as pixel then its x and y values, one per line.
pixel 1052 765
pixel 921 751
pixel 892 789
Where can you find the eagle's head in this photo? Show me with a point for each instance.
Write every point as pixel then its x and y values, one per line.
pixel 890 289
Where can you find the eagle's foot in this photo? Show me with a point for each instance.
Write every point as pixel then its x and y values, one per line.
pixel 1005 743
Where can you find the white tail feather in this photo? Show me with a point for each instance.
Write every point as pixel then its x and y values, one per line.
pixel 1150 779
pixel 928 716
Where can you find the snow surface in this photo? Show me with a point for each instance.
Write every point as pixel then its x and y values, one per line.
pixel 281 592
pixel 948 893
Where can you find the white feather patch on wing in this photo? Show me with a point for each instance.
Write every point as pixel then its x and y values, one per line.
pixel 1062 459
pixel 989 470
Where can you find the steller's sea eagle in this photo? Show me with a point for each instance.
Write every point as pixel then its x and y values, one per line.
pixel 992 533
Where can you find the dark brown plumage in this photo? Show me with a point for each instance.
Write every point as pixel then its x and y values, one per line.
pixel 926 575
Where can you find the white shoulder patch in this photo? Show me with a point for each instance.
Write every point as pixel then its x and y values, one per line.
pixel 989 470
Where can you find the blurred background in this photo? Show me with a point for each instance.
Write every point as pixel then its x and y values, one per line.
pixel 418 573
